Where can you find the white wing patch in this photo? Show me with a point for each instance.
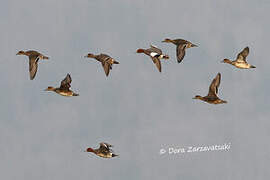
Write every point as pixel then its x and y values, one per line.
pixel 153 54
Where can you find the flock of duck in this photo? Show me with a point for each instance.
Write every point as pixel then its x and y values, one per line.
pixel 156 55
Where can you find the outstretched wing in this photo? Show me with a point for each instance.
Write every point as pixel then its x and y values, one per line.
pixel 65 83
pixel 243 54
pixel 157 63
pixel 105 146
pixel 33 66
pixel 213 88
pixel 155 49
pixel 106 67
pixel 180 52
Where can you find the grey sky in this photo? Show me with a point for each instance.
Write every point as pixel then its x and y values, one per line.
pixel 137 109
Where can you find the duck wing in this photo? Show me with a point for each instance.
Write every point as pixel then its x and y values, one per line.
pixel 157 63
pixel 33 65
pixel 106 66
pixel 155 49
pixel 180 52
pixel 105 146
pixel 180 41
pixel 241 57
pixel 213 88
pixel 65 83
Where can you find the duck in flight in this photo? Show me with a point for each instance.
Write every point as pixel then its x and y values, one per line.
pixel 64 87
pixel 155 54
pixel 34 57
pixel 240 61
pixel 106 61
pixel 212 97
pixel 181 46
pixel 103 151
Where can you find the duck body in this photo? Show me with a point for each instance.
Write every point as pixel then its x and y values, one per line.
pixel 181 46
pixel 212 97
pixel 103 151
pixel 210 100
pixel 105 155
pixel 64 92
pixel 64 89
pixel 155 54
pixel 239 64
pixel 240 61
pixel 34 57
pixel 106 61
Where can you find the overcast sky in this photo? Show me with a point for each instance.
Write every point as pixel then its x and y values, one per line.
pixel 137 109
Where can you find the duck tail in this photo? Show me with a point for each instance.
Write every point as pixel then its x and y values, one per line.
pixel 74 94
pixel 252 67
pixel 45 57
pixel 140 50
pixel 115 62
pixel 114 155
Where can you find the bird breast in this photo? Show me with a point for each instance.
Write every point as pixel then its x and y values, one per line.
pixel 242 65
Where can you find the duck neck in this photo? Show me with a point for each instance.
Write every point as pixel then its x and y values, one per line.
pixel 227 61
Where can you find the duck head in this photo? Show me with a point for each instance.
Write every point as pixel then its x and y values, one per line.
pixel 89 55
pixel 50 89
pixel 167 40
pixel 89 150
pixel 198 97
pixel 226 61
pixel 21 53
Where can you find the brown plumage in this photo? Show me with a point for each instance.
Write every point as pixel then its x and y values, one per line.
pixel 103 150
pixel 106 61
pixel 64 87
pixel 212 97
pixel 181 46
pixel 155 54
pixel 240 61
pixel 34 57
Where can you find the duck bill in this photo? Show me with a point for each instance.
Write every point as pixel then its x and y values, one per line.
pixel 194 45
